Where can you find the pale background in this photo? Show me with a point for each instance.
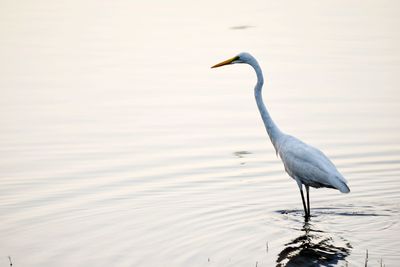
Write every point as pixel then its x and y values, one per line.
pixel 121 147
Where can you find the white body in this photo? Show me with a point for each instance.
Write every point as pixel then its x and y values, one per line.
pixel 304 163
pixel 308 165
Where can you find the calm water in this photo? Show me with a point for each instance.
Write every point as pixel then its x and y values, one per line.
pixel 121 147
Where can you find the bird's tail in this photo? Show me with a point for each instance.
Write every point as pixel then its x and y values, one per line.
pixel 342 186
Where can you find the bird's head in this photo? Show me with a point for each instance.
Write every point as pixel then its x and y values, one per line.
pixel 241 58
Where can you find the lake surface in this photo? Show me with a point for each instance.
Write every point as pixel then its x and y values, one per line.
pixel 121 147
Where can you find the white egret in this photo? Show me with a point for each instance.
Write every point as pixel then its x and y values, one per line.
pixel 307 165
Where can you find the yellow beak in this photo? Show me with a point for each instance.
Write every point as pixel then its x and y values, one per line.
pixel 226 62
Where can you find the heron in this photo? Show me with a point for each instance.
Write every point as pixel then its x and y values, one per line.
pixel 307 165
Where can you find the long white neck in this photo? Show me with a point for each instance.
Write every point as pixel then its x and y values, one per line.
pixel 273 131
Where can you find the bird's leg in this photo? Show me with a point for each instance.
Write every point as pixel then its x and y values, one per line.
pixel 308 200
pixel 304 204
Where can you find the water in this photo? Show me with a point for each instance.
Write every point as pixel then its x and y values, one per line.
pixel 121 147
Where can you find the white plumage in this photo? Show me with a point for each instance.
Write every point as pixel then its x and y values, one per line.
pixel 309 165
pixel 304 163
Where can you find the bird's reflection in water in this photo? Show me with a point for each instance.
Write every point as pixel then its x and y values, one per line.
pixel 314 248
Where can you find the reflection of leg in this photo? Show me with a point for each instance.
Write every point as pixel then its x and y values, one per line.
pixel 308 200
pixel 313 247
pixel 304 204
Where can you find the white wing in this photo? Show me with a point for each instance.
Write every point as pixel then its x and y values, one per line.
pixel 309 165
